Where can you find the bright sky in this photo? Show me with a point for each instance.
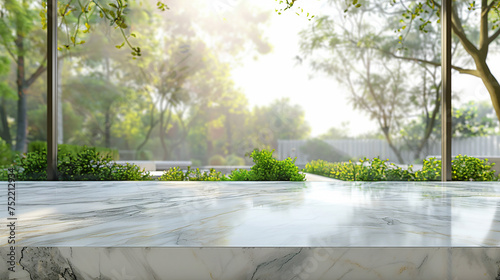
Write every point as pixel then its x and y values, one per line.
pixel 276 75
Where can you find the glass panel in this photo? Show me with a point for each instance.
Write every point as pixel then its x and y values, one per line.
pixel 381 100
pixel 217 79
pixel 22 78
pixel 475 121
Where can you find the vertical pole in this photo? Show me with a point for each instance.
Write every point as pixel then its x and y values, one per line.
pixel 446 90
pixel 52 90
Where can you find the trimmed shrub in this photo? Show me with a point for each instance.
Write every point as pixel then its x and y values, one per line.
pixel 431 171
pixel 38 146
pixel 210 175
pixel 86 165
pixel 267 168
pixel 464 168
pixel 240 175
pixel 7 156
pixel 31 166
pixel 175 174
pixel 319 167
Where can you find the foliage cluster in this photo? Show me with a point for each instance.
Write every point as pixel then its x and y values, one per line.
pixel 90 165
pixel 469 168
pixel 176 174
pixel 7 155
pixel 86 165
pixel 38 146
pixel 364 170
pixel 464 168
pixel 266 168
pixel 431 170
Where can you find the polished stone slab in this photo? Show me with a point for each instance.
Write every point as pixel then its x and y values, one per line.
pixel 231 263
pixel 256 214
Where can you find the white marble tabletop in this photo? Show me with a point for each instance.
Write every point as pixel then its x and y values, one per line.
pixel 250 214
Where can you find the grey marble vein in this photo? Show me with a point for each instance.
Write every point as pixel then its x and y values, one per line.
pixel 257 263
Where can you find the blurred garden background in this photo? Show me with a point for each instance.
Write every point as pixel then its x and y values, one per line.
pixel 217 79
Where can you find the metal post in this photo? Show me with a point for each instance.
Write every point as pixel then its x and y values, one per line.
pixel 446 90
pixel 52 90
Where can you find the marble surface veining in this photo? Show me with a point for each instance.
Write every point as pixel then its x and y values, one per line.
pixel 257 263
pixel 256 214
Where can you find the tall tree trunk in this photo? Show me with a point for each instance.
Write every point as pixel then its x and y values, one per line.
pixel 5 132
pixel 229 135
pixel 60 118
pixel 491 84
pixel 107 129
pixel 429 124
pixel 22 119
pixel 396 151
pixel 163 130
pixel 152 124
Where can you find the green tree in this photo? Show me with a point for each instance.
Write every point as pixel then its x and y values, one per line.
pixel 22 38
pixel 475 25
pixel 6 93
pixel 377 85
pixel 280 120
pixel 190 83
pixel 472 119
pixel 99 102
pixel 393 92
pixel 24 44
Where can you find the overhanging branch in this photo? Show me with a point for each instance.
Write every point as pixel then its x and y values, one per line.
pixel 457 68
pixel 493 37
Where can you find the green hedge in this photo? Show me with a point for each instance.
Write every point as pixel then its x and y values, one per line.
pixel 7 155
pixel 86 165
pixel 176 174
pixel 266 168
pixel 90 165
pixel 464 168
pixel 39 146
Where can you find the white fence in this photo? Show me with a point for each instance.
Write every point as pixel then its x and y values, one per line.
pixel 357 148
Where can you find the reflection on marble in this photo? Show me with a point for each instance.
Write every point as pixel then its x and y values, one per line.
pixel 284 263
pixel 256 214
